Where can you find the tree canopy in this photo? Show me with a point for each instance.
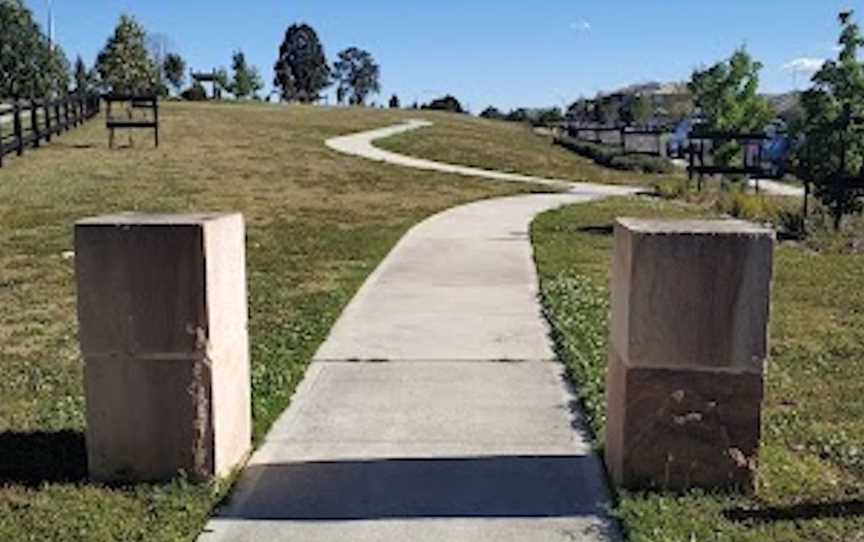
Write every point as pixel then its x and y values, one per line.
pixel 124 65
pixel 447 103
pixel 301 70
pixel 357 75
pixel 29 66
pixel 246 81
pixel 727 94
pixel 394 102
pixel 175 70
pixel 832 149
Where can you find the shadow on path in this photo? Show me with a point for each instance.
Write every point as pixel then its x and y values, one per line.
pixel 472 487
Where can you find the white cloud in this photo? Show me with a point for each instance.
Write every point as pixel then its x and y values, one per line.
pixel 581 26
pixel 804 65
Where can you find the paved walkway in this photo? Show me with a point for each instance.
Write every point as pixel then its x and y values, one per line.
pixel 360 144
pixel 774 188
pixel 435 410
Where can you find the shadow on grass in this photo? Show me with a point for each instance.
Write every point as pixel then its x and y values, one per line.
pixel 32 459
pixel 603 231
pixel 804 511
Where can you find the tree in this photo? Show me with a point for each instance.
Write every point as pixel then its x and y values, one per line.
pixel 492 113
pixel 548 117
pixel 82 76
pixel 637 110
pixel 124 65
pixel 357 75
pixel 302 71
pixel 727 95
pixel 394 102
pixel 447 103
pixel 832 151
pixel 29 66
pixel 247 81
pixel 175 70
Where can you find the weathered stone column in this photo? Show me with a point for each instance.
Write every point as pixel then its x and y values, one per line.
pixel 162 312
pixel 689 341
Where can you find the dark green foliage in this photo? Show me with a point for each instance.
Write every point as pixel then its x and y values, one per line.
pixel 642 162
pixel 29 66
pixel 357 75
pixel 394 102
pixel 195 93
pixel 833 148
pixel 447 103
pixel 246 81
pixel 613 157
pixel 125 65
pixel 175 70
pixel 302 71
pixel 727 95
pixel 548 117
pixel 492 113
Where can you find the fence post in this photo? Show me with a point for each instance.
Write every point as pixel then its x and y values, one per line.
pixel 156 120
pixel 46 107
pixel 34 123
pixel 58 117
pixel 19 132
pixel 2 150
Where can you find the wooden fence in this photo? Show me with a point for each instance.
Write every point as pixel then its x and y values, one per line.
pixel 27 124
pixel 631 140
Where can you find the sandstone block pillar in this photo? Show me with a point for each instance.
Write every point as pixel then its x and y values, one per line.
pixel 163 332
pixel 688 346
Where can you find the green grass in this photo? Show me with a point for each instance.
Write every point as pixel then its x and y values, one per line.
pixel 318 223
pixel 503 146
pixel 811 474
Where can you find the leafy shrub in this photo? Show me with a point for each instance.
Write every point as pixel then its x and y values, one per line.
pixel 739 204
pixel 578 313
pixel 195 93
pixel 613 157
pixel 672 188
pixel 643 163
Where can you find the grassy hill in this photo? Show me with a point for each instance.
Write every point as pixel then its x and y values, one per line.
pixel 318 223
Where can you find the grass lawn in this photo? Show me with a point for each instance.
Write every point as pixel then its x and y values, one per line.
pixel 318 223
pixel 471 141
pixel 811 475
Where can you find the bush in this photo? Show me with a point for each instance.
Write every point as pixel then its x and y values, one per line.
pixel 739 204
pixel 672 188
pixel 613 157
pixel 643 163
pixel 195 93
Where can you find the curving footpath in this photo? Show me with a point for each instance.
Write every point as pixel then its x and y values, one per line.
pixel 435 410
pixel 360 144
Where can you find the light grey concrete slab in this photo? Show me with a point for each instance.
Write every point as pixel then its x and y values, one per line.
pixel 423 451
pixel 459 286
pixel 409 426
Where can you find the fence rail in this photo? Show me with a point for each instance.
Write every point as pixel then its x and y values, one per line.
pixel 631 140
pixel 27 124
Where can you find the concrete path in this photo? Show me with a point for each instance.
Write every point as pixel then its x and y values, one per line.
pixel 360 144
pixel 774 188
pixel 434 411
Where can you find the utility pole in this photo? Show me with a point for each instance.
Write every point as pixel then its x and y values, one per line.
pixel 51 25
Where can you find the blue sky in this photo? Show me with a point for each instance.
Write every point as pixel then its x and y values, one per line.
pixel 502 53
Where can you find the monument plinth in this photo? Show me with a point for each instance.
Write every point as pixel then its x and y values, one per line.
pixel 689 342
pixel 163 332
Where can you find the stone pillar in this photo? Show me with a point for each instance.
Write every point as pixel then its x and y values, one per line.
pixel 689 341
pixel 163 331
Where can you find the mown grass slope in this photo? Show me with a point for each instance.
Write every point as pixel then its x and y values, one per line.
pixel 318 223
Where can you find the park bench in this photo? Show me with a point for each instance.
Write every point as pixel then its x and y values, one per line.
pixel 127 119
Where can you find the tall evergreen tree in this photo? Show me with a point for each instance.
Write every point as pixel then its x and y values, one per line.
pixel 124 65
pixel 247 81
pixel 301 70
pixel 29 66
